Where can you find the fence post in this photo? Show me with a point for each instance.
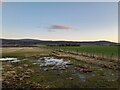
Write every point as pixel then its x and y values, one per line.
pixel 111 55
pixel 77 51
pixel 102 55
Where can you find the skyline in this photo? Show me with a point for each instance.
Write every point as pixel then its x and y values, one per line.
pixel 60 21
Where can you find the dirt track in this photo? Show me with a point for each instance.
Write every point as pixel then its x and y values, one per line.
pixel 102 63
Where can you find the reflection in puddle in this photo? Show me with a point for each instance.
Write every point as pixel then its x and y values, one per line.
pixel 9 59
pixel 55 64
pixel 84 76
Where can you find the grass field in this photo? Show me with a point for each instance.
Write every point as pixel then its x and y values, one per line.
pixel 104 51
pixel 22 52
pixel 26 74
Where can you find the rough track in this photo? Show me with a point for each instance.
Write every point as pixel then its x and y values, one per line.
pixel 102 63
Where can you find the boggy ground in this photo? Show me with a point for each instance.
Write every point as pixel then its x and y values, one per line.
pixel 26 74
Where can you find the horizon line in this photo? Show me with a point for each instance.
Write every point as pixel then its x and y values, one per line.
pixel 60 40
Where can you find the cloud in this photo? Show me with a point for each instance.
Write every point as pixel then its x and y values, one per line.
pixel 63 27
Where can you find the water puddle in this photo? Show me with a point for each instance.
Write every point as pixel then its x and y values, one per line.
pixel 50 63
pixel 9 60
pixel 84 76
pixel 53 63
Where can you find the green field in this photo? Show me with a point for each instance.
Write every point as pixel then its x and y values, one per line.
pixel 104 51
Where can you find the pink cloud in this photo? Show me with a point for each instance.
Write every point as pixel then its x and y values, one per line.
pixel 60 27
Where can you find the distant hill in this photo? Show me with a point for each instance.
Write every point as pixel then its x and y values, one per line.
pixel 33 42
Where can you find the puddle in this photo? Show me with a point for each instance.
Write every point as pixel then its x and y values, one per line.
pixel 9 60
pixel 84 76
pixel 50 63
pixel 53 63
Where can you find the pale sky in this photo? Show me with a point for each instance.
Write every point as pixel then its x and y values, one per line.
pixel 86 21
pixel 60 0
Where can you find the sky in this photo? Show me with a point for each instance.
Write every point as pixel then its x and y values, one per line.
pixel 60 0
pixel 0 19
pixel 78 21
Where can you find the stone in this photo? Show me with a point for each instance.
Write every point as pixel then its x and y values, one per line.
pixel 20 67
pixel 21 79
pixel 46 69
pixel 30 70
pixel 70 78
pixel 25 65
pixel 27 73
pixel 26 76
pixel 42 59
